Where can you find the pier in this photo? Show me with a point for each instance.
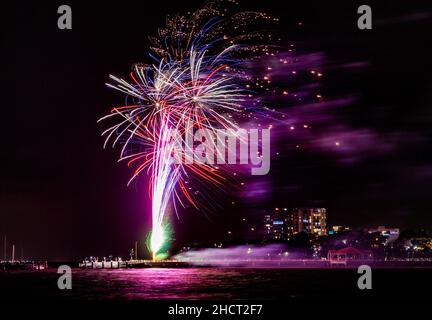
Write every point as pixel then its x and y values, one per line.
pixel 133 264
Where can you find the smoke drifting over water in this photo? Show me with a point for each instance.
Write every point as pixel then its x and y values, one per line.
pixel 244 255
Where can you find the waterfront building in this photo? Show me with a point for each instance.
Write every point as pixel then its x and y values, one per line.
pixel 283 223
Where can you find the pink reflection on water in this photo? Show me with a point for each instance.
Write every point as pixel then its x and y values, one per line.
pixel 164 283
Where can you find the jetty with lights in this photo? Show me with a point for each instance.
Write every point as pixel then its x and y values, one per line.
pixel 133 264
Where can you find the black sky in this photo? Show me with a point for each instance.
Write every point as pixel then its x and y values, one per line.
pixel 62 196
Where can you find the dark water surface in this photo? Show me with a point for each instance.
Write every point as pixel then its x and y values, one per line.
pixel 217 283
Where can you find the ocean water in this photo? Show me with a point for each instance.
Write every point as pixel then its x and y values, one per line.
pixel 216 284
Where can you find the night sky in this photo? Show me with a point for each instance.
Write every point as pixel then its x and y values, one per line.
pixel 63 197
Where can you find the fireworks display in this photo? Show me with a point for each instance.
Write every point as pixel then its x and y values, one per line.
pixel 198 77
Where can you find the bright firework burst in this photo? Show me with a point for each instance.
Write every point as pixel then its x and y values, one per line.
pixel 198 76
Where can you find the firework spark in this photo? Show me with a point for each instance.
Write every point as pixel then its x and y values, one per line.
pixel 198 76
